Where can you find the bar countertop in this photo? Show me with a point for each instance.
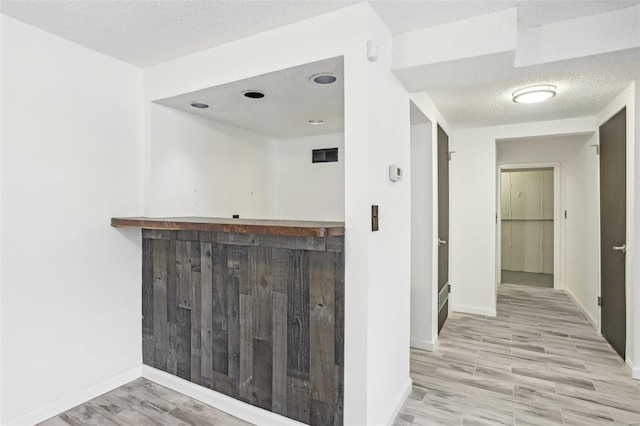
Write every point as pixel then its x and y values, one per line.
pixel 243 226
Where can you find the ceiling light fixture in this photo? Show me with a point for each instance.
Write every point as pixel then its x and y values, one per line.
pixel 315 122
pixel 323 78
pixel 199 105
pixel 253 94
pixel 534 94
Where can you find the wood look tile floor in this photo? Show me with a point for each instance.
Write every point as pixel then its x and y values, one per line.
pixel 143 403
pixel 539 362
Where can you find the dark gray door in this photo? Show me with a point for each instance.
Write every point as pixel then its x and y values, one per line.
pixel 443 227
pixel 613 229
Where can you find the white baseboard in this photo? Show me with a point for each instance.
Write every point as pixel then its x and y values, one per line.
pixel 635 371
pixel 425 345
pixel 586 313
pixel 403 397
pixel 474 310
pixel 218 400
pixel 70 401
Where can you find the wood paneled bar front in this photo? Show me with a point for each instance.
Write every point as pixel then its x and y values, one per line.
pixel 250 308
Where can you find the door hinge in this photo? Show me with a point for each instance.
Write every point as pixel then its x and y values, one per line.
pixel 449 288
pixel 449 154
pixel 597 146
pixel 599 300
pixel 565 214
pixel 496 217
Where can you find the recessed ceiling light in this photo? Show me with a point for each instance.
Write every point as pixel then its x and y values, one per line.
pixel 199 105
pixel 253 94
pixel 323 78
pixel 534 94
pixel 315 122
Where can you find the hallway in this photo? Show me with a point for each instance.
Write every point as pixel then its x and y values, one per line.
pixel 539 362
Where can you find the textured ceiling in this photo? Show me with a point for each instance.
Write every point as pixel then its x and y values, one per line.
pixel 146 33
pixel 585 87
pixel 291 99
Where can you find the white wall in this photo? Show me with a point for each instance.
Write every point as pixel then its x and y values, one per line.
pixel 422 305
pixel 71 296
pixel 582 228
pixel 473 207
pixel 390 247
pixel 306 190
pixel 206 168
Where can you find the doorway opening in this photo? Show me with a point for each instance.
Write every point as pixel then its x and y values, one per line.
pixel 527 226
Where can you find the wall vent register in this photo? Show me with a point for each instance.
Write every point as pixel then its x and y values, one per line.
pixel 328 155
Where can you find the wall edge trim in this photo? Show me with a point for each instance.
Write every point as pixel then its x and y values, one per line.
pixel 635 371
pixel 584 311
pixel 76 398
pixel 405 394
pixel 424 345
pixel 217 400
pixel 475 310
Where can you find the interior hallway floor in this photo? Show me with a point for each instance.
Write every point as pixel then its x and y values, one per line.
pixel 143 403
pixel 539 362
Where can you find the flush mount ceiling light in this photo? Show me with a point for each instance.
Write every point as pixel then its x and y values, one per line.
pixel 199 105
pixel 315 122
pixel 253 94
pixel 534 94
pixel 323 78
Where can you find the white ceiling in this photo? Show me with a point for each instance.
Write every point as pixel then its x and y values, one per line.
pixel 291 99
pixel 469 93
pixel 146 33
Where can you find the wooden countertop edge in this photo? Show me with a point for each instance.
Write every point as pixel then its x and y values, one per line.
pixel 241 228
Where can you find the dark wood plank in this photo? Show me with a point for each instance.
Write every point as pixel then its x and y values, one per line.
pixel 279 353
pixel 147 303
pixel 246 348
pixel 281 259
pixel 321 413
pixel 339 308
pixel 172 355
pixel 335 244
pixel 262 281
pixel 298 315
pixel 196 310
pixel 262 373
pixel 220 309
pixel 233 315
pixel 160 249
pixel 322 337
pixel 338 395
pixel 206 313
pixel 299 399
pixel 183 352
pixel 183 274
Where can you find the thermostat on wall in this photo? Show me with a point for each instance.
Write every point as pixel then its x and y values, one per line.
pixel 395 173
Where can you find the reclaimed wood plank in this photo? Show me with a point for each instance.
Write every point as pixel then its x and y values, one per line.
pixel 298 327
pixel 206 313
pixel 183 352
pixel 262 282
pixel 172 353
pixel 279 353
pixel 172 284
pixel 233 316
pixel 183 274
pixel 339 308
pixel 299 399
pixel 160 250
pixel 335 244
pixel 262 373
pixel 220 308
pixel 321 413
pixel 322 336
pixel 147 303
pixel 246 348
pixel 196 311
pixel 338 395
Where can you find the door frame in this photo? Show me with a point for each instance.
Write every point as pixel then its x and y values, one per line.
pixel 558 223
